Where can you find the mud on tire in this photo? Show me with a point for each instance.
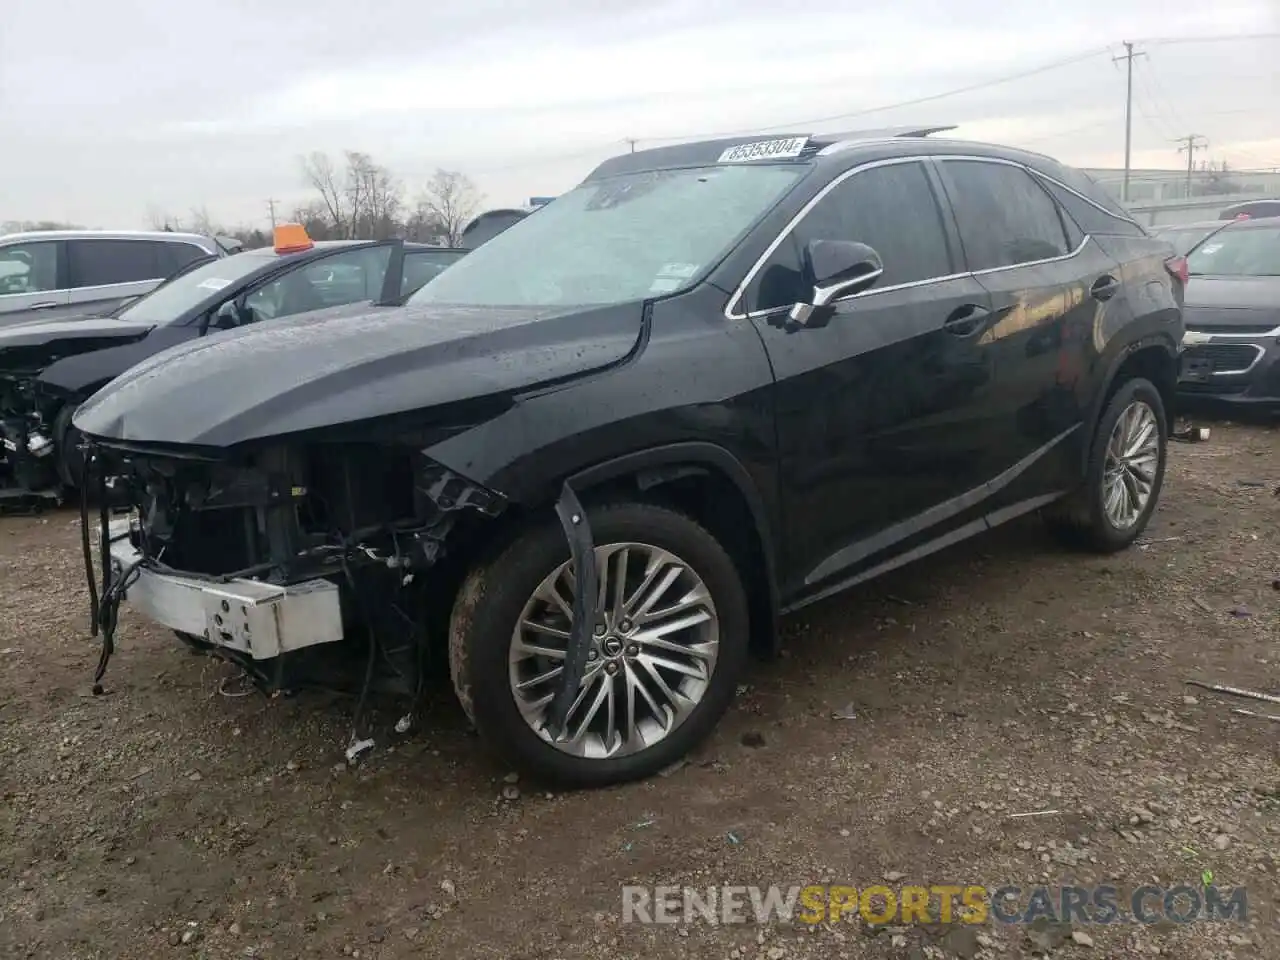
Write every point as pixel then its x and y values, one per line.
pixel 494 605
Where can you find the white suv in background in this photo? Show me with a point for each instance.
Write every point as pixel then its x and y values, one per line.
pixel 55 274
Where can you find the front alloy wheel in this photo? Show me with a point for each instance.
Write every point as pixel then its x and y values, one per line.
pixel 669 641
pixel 651 659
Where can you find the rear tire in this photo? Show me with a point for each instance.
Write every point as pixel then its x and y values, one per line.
pixel 1125 475
pixel 690 642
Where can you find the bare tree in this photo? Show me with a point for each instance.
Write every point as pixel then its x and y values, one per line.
pixel 320 173
pixel 200 222
pixel 373 198
pixel 315 217
pixel 450 201
pixel 24 226
pixel 161 219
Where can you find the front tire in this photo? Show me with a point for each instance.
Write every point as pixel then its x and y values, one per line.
pixel 1125 475
pixel 665 658
pixel 67 438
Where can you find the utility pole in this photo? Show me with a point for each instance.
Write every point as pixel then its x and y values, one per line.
pixel 271 206
pixel 1190 145
pixel 1128 57
pixel 632 141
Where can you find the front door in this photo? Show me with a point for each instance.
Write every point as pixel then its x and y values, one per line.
pixel 884 414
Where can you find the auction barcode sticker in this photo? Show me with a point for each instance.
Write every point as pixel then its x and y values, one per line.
pixel 785 149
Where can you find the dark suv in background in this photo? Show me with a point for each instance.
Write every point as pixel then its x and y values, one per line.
pixel 594 460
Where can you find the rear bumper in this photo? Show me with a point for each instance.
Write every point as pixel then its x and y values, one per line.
pixel 260 620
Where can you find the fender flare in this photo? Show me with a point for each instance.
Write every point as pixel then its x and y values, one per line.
pixel 1113 368
pixel 656 465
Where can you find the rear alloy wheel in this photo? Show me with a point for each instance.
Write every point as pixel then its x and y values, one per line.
pixel 664 656
pixel 1129 468
pixel 1126 472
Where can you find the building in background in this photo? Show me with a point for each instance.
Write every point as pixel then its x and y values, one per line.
pixel 1158 197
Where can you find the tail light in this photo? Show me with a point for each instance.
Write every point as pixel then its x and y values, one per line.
pixel 1177 267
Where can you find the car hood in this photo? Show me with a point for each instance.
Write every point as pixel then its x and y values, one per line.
pixel 1252 292
pixel 348 365
pixel 30 347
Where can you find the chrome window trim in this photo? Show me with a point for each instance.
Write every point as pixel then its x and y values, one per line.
pixel 1212 335
pixel 1091 202
pixel 741 289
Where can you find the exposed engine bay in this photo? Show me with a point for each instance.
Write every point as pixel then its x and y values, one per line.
pixel 302 564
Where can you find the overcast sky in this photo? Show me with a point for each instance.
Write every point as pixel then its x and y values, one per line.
pixel 110 109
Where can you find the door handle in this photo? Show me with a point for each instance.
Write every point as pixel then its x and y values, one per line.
pixel 964 320
pixel 1104 288
pixel 43 305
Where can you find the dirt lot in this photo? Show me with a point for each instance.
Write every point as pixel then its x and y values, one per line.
pixel 1005 676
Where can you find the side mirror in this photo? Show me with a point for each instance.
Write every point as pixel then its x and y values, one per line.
pixel 839 268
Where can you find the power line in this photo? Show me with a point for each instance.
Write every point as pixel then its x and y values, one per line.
pixel 970 88
pixel 916 101
pixel 1153 83
pixel 1220 38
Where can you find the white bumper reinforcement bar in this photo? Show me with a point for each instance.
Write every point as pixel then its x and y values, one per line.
pixel 262 620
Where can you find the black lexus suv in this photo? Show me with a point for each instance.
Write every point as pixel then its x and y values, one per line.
pixel 591 463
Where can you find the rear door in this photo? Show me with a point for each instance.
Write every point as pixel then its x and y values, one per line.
pixel 884 414
pixel 33 284
pixel 1050 287
pixel 105 273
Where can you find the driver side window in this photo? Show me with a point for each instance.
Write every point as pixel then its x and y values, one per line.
pixel 891 208
pixel 349 277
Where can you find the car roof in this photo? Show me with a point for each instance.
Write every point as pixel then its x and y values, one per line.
pixel 707 152
pixel 196 238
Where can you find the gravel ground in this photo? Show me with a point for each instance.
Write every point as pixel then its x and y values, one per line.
pixel 906 724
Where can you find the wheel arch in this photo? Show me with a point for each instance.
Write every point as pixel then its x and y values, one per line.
pixel 712 486
pixel 1155 358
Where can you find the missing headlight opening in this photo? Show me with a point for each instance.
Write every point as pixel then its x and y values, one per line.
pixel 303 565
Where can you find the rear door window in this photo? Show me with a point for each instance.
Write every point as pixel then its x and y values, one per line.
pixel 29 267
pixel 101 263
pixel 1005 217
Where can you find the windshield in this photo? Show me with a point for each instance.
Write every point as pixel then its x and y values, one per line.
pixel 626 238
pixel 169 300
pixel 1249 252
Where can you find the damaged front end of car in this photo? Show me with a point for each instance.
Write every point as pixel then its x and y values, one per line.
pixel 28 461
pixel 37 399
pixel 304 564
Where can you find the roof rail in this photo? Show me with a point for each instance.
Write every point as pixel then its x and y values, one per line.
pixel 844 140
